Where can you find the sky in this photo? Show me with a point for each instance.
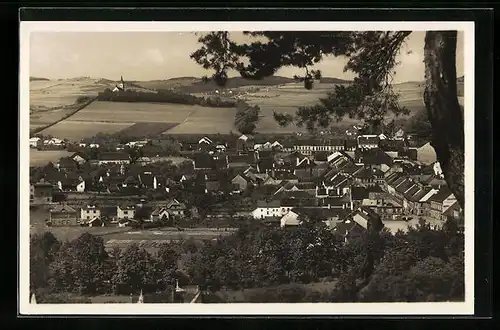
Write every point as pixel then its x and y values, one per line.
pixel 164 55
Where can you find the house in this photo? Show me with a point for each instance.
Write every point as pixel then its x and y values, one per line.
pixel 367 219
pixel 368 141
pixel 79 158
pixel 66 164
pixel 425 153
pixel 375 158
pixel 348 230
pixel 240 161
pixel 41 192
pixel 89 212
pixel 309 146
pixel 53 142
pixel 35 142
pixel 440 202
pixel 329 217
pixel 176 209
pixel 241 181
pixel 72 185
pixel 125 212
pixel 203 161
pixel 63 215
pixel 454 212
pixel 245 143
pixel 160 214
pixel 106 158
pixel 205 144
pixel 269 209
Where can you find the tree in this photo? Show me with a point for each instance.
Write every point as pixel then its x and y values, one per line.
pixel 166 264
pixel 370 96
pixel 246 118
pixel 80 266
pixel 43 250
pixel 135 270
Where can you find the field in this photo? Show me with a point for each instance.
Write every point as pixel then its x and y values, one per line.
pixel 42 157
pixel 142 129
pixel 76 130
pixel 120 237
pixel 151 118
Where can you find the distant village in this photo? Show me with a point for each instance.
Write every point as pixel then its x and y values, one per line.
pixel 347 182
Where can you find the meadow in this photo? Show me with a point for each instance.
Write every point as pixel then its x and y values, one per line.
pixel 43 157
pixel 179 119
pixel 77 130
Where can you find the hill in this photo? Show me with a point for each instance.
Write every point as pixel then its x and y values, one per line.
pixel 38 79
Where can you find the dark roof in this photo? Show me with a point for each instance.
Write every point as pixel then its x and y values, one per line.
pixel 376 156
pixel 441 195
pixel 320 213
pixel 392 145
pixel 203 160
pixel 297 202
pixel 285 176
pixel 67 162
pixel 265 164
pixel 405 185
pixel 359 193
pixel 368 139
pixel 81 154
pixel 321 156
pixel 114 156
pixel 365 173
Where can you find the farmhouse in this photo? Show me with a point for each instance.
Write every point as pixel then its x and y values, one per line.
pixel 63 215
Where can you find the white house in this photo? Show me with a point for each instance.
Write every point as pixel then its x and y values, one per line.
pixel 53 142
pixel 89 212
pixel 269 209
pixel 125 212
pixel 437 169
pixel 34 141
pixel 290 219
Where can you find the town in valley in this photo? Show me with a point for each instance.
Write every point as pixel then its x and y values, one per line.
pixel 158 209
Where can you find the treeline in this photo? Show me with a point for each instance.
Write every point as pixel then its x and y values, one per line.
pixel 164 96
pixel 421 265
pixel 83 266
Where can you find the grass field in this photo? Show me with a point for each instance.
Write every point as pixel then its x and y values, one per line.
pixel 134 112
pixel 143 129
pixel 135 118
pixel 76 130
pixel 42 157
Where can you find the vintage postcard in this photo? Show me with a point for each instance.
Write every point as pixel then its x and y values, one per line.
pixel 278 168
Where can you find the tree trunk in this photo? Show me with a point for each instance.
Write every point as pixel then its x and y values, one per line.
pixel 443 109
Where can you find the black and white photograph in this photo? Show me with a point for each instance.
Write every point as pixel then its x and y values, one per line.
pixel 273 167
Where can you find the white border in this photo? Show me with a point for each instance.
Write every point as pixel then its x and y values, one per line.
pixel 463 308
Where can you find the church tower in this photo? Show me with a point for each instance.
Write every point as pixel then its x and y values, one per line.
pixel 121 85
